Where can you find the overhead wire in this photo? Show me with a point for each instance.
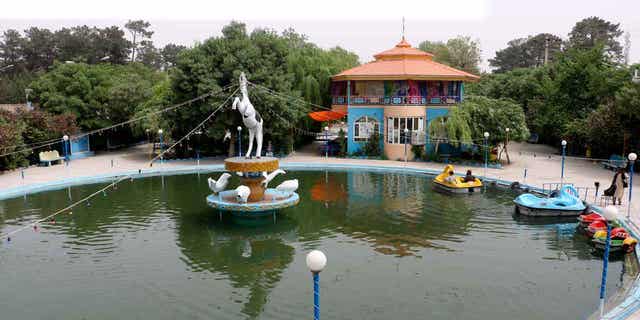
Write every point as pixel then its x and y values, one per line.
pixel 8 235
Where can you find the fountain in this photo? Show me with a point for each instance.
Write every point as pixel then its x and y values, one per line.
pixel 251 197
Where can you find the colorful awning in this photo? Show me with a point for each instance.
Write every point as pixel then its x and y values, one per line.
pixel 323 116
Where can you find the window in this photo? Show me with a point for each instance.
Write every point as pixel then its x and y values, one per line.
pixel 396 126
pixel 364 127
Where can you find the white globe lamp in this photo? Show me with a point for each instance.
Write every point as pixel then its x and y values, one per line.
pixel 316 261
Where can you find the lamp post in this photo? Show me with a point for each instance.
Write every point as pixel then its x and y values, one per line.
pixel 147 132
pixel 564 151
pixel 198 134
pixel 486 153
pixel 239 141
pixel 406 132
pixel 609 213
pixel 316 261
pixel 632 160
pixel 65 141
pixel 161 145
pixel 326 138
pixel 506 152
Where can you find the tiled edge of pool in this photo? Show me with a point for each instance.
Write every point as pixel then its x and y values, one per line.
pixel 622 311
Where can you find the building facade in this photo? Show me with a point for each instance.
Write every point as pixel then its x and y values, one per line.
pixel 396 96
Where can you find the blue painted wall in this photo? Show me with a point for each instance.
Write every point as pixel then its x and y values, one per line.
pixel 355 114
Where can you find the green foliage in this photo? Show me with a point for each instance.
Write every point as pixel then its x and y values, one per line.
pixel 454 128
pixel 460 52
pixel 494 116
pixel 28 127
pixel 418 152
pixel 526 52
pixel 594 32
pixel 13 85
pixel 98 95
pixel 342 142
pixel 139 32
pixel 372 147
pixel 285 62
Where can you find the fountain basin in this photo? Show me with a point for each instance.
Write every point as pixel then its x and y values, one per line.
pixel 273 200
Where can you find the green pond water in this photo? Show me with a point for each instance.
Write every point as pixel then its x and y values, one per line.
pixel 396 249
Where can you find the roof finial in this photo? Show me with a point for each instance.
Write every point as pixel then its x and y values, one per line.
pixel 402 28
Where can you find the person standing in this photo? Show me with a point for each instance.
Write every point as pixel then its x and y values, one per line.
pixel 620 181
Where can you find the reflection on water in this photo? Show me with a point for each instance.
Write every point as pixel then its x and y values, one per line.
pixel 396 249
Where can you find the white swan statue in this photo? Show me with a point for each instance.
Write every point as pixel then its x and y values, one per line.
pixel 270 176
pixel 242 194
pixel 288 186
pixel 219 185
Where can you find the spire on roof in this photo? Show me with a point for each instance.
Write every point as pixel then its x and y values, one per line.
pixel 402 28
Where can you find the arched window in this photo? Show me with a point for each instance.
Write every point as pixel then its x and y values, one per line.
pixel 364 127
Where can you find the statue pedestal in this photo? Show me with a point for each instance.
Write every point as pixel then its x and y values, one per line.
pixel 257 189
pixel 252 170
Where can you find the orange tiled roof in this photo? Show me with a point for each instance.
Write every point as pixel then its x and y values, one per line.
pixel 404 62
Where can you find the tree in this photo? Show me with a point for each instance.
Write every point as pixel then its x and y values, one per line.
pixel 460 52
pixel 438 49
pixel 453 128
pixel 464 54
pixel 138 30
pixel 98 95
pixel 11 49
pixel 149 55
pixel 526 52
pixel 111 45
pixel 592 32
pixel 170 54
pixel 39 48
pixel 285 63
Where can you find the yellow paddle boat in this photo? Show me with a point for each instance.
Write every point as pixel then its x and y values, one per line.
pixel 448 182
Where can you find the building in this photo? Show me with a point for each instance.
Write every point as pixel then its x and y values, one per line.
pixel 403 88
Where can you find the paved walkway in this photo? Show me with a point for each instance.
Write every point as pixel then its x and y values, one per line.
pixel 542 163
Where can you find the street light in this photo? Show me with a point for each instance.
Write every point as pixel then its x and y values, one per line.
pixel 198 134
pixel 506 152
pixel 632 160
pixel 326 138
pixel 65 141
pixel 564 149
pixel 406 132
pixel 161 145
pixel 239 141
pixel 316 261
pixel 486 153
pixel 610 213
pixel 27 92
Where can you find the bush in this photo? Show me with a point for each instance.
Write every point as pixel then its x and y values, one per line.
pixel 372 147
pixel 418 152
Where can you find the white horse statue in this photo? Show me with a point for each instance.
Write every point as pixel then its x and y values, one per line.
pixel 250 117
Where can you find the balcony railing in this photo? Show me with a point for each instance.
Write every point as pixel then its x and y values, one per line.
pixel 396 100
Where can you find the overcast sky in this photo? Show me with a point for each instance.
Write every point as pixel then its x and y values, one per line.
pixel 365 27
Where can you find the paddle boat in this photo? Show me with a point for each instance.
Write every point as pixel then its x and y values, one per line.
pixel 563 202
pixel 596 226
pixel 459 185
pixel 587 218
pixel 620 240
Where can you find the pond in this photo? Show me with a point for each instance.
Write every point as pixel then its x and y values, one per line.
pixel 152 249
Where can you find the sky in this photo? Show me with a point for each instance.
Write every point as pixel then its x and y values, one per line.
pixel 364 27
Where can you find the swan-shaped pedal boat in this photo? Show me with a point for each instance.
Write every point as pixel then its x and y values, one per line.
pixel 563 202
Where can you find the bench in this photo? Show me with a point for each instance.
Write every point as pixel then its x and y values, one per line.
pixel 49 157
pixel 615 162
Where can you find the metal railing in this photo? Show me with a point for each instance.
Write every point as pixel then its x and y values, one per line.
pixel 583 192
pixel 396 100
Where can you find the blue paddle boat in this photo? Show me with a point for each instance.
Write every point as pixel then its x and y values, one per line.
pixel 560 203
